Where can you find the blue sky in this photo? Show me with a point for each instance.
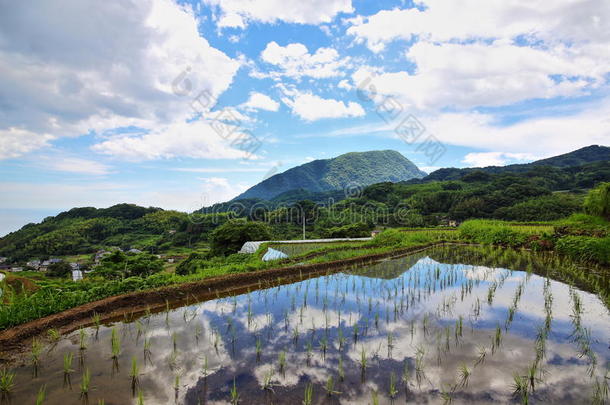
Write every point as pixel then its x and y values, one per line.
pixel 145 102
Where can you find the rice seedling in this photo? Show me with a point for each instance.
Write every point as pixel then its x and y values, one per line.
pixel 140 397
pixel 53 335
pixel 482 352
pixel 496 339
pixel 85 383
pixel 267 383
pixel 393 389
pixel 600 391
pixel 258 348
pixel 406 374
pixel 115 344
pixel 363 359
pixel 6 382
pixel 330 387
pixel 340 369
pixel 198 332
pixel 446 395
pixel 324 345
pixel 36 352
pixel 532 379
pixel 340 338
pixel 390 339
pixel 520 388
pixel 295 335
pixel 464 375
pixel 308 396
pixel 40 397
pixel 134 374
pixel 491 292
pixel 147 346
pixel 375 397
pixel 309 348
pixel 68 366
pixel 97 321
pixel 282 361
pixel 82 338
pixel 234 394
pixel 420 364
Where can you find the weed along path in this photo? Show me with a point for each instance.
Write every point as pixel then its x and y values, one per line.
pixel 464 324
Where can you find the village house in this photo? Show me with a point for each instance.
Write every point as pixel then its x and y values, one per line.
pixel 35 264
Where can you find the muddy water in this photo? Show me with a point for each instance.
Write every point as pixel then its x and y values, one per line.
pixel 461 324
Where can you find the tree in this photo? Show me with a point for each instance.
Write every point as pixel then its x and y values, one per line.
pixel 61 269
pixel 598 201
pixel 230 236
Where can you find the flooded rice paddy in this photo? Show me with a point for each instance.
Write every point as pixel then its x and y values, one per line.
pixel 450 325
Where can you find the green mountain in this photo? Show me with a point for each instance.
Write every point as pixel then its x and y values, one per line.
pixel 580 157
pixel 349 170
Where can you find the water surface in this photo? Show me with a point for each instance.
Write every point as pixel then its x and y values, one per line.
pixel 457 324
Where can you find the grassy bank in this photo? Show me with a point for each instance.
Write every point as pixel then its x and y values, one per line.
pixel 581 238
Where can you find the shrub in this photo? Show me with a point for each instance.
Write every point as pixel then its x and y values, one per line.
pixel 389 237
pixel 356 230
pixel 229 237
pixel 585 248
pixel 597 201
pixel 494 232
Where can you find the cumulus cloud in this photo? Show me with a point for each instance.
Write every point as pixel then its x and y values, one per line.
pixel 484 159
pixel 15 142
pixel 239 13
pixel 102 65
pixel 260 101
pixel 199 139
pixel 539 137
pixel 442 21
pixel 468 53
pixel 497 74
pixel 295 61
pixel 310 107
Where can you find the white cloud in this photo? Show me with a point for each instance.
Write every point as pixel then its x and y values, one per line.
pixel 470 53
pixel 497 74
pixel 260 101
pixel 15 142
pixel 196 140
pixel 539 137
pixel 295 61
pixel 441 21
pixel 484 159
pixel 239 13
pixel 102 65
pixel 77 165
pixel 311 107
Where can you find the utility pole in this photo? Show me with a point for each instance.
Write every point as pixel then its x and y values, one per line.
pixel 303 217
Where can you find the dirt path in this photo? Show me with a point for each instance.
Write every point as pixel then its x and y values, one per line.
pixel 135 304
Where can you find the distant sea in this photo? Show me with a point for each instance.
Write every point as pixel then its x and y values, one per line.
pixel 12 219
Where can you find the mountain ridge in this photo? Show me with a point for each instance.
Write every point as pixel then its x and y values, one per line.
pixel 579 157
pixel 349 169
